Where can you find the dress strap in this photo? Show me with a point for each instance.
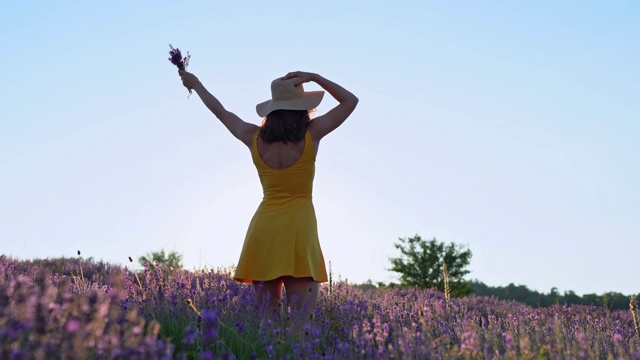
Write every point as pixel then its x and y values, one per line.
pixel 308 146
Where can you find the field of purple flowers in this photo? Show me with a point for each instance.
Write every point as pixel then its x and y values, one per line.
pixel 72 308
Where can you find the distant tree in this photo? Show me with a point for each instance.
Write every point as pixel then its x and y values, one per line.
pixel 615 301
pixel 368 285
pixel 173 260
pixel 591 299
pixel 420 264
pixel 571 298
pixel 610 300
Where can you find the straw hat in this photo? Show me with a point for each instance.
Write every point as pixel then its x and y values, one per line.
pixel 286 96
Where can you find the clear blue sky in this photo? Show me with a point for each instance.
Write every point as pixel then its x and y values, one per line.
pixel 511 127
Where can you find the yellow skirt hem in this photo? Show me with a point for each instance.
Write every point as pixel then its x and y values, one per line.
pixel 251 281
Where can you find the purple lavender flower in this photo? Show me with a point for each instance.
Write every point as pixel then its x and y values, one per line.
pixel 206 355
pixel 210 332
pixel 271 351
pixel 175 56
pixel 73 325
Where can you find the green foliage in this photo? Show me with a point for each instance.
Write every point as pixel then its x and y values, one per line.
pixel 366 286
pixel 420 264
pixel 173 260
pixel 611 300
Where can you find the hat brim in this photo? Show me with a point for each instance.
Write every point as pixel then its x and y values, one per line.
pixel 310 100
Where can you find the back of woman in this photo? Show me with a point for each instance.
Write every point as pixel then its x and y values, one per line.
pixel 281 247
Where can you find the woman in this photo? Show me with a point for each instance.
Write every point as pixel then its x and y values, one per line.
pixel 281 247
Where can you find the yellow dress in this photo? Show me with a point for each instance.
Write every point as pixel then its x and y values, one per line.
pixel 282 238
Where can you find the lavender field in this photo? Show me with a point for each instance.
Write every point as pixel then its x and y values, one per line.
pixel 72 308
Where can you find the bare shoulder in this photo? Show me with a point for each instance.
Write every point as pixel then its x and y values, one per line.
pixel 324 124
pixel 248 132
pixel 316 132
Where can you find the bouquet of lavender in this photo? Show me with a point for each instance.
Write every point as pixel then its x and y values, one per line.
pixel 175 56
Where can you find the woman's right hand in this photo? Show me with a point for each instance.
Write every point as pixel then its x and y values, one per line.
pixel 302 76
pixel 188 79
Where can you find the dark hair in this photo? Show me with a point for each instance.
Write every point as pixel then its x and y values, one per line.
pixel 285 125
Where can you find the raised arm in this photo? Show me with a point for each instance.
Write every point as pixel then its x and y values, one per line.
pixel 242 130
pixel 322 125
